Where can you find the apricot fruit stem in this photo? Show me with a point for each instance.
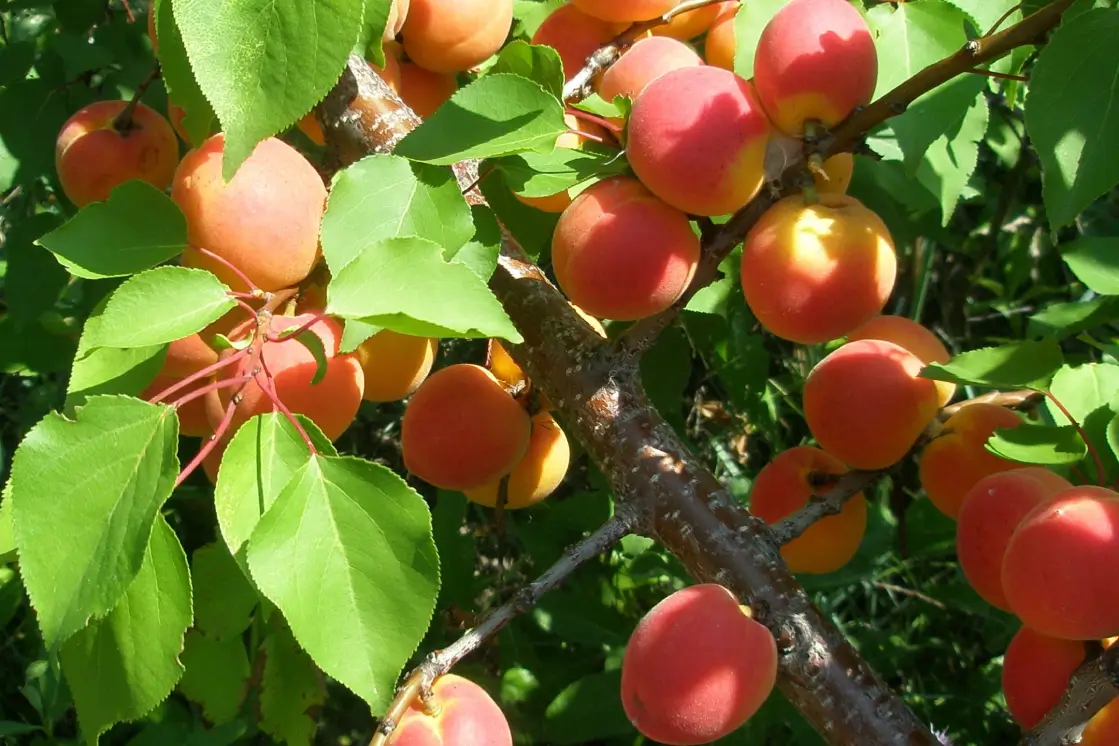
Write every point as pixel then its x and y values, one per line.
pixel 232 268
pixel 123 123
pixel 268 386
pixel 1080 429
pixel 207 371
pixel 289 334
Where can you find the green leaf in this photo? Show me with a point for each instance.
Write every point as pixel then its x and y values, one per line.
pixel 383 196
pixel 135 229
pixel 314 345
pixel 223 597
pixel 108 370
pixel 84 496
pixel 749 23
pixel 216 676
pixel 346 554
pixel 354 333
pixel 31 114
pixel 7 529
pixel 588 710
pixel 911 36
pixel 263 64
pixel 1039 444
pixel 531 228
pixel 457 550
pixel 538 63
pixel 178 75
pixel 985 13
pixel 1062 320
pixel 934 115
pixel 1095 262
pixel 369 43
pixel 480 253
pixel 545 174
pixel 1016 365
pixel 498 114
pixel 1087 392
pixel 34 278
pixel 950 161
pixel 404 284
pixel 120 667
pixel 290 687
pixel 1071 125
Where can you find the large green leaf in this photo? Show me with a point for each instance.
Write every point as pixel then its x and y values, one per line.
pixel 1087 392
pixel 1039 444
pixel 291 685
pixel 950 161
pixel 1095 262
pixel 216 676
pixel 223 597
pixel 1015 365
pixel 538 63
pixel 110 370
pixel 34 277
pixel 178 76
pixel 347 555
pixel 85 494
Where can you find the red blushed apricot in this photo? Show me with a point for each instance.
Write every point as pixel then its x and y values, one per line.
pixel 390 73
pixel 395 364
pixel 719 46
pixel 1059 570
pixel 575 36
pixel 462 429
pixel 783 487
pixel 815 60
pixel 193 422
pixel 573 139
pixel 447 36
pixel 537 474
pixel 955 461
pixel 643 63
pixel 697 139
pixel 265 221
pixel 464 713
pixel 838 171
pixel 696 667
pixel 423 90
pixel 991 510
pixel 1103 728
pixel 816 272
pixel 693 23
pixel 93 157
pixel 865 404
pixel 620 253
pixel 625 11
pixel 1035 674
pixel 913 337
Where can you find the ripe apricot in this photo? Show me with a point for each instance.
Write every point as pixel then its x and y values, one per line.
pixel 575 36
pixel 462 429
pixel 719 46
pixel 620 253
pixel 815 60
pixel 1035 673
pixel 783 487
pixel 951 464
pixel 93 157
pixel 447 36
pixel 706 159
pixel 991 510
pixel 865 404
pixel 913 337
pixel 696 667
pixel 395 364
pixel 423 90
pixel 398 14
pixel 572 139
pixel 625 11
pixel 187 356
pixel 1103 728
pixel 693 23
pixel 643 63
pixel 815 272
pixel 461 713
pixel 390 73
pixel 537 474
pixel 1059 570
pixel 838 169
pixel 265 220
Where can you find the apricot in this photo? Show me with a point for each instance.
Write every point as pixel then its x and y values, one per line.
pixel 643 63
pixel 705 159
pixel 447 36
pixel 693 23
pixel 865 404
pixel 1103 728
pixel 192 415
pixel 815 272
pixel 93 157
pixel 1035 673
pixel 265 220
pixel 815 60
pixel 575 36
pixel 1059 570
pixel 573 139
pixel 955 461
pixel 462 429
pixel 838 171
pixel 620 253
pixel 696 667
pixel 991 510
pixel 423 90
pixel 783 487
pixel 913 337
pixel 332 403
pixel 720 44
pixel 625 11
pixel 390 73
pixel 395 364
pixel 398 14
pixel 537 475
pixel 461 712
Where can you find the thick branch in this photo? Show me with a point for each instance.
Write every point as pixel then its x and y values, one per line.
pixel 1091 688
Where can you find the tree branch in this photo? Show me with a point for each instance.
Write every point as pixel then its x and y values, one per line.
pixel 849 485
pixel 1092 687
pixel 1025 399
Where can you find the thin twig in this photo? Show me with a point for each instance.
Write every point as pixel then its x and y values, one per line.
pixel 849 485
pixel 1024 400
pixel 997 24
pixel 1083 435
pixel 891 588
pixel 292 333
pixel 123 123
pixel 269 389
pixel 204 373
pixel 225 383
pixel 1000 76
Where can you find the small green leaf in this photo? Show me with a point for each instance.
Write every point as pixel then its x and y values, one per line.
pixel 1016 365
pixel 950 161
pixel 1039 444
pixel 1095 262
pixel 290 687
pixel 480 252
pixel 597 105
pixel 369 43
pixel 538 63
pixel 545 174
pixel 223 597
pixel 34 278
pixel 178 75
pixel 7 529
pixel 1061 320
pixel 216 675
pixel 531 228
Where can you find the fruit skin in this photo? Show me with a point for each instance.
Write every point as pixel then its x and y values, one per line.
pixel 991 510
pixel 93 158
pixel 696 667
pixel 782 488
pixel 705 160
pixel 625 11
pixel 462 430
pixel 951 464
pixel 1035 673
pixel 617 229
pixel 816 272
pixel 192 415
pixel 466 715
pixel 815 60
pixel 558 202
pixel 1059 570
pixel 1103 728
pixel 575 36
pixel 395 364
pixel 839 170
pixel 865 404
pixel 264 221
pixel 694 23
pixel 719 46
pixel 447 36
pixel 913 337
pixel 398 14
pixel 390 73
pixel 187 356
pixel 643 63
pixel 537 475
pixel 423 90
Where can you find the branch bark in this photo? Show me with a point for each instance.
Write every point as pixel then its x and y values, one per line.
pixel 1092 687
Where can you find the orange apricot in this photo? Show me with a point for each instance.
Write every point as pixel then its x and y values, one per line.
pixel 575 36
pixel 957 459
pixel 625 11
pixel 865 404
pixel 1035 673
pixel 573 139
pixel 784 486
pixel 815 60
pixel 643 63
pixel 693 23
pixel 1059 570
pixel 423 90
pixel 838 171
pixel 462 429
pixel 814 272
pixel 706 159
pixel 187 356
pixel 696 667
pixel 1103 728
pixel 460 712
pixel 395 364
pixel 265 220
pixel 719 46
pixel 447 36
pixel 537 474
pixel 913 337
pixel 620 253
pixel 93 156
pixel 991 510
pixel 398 14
